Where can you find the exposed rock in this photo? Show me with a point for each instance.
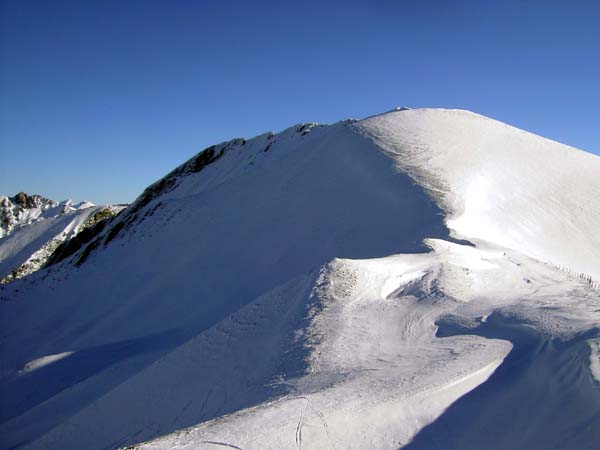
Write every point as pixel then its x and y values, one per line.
pixel 21 209
pixel 65 229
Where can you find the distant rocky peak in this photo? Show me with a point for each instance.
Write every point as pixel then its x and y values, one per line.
pixel 23 209
pixel 24 200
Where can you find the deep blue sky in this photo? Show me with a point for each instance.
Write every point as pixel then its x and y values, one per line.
pixel 98 99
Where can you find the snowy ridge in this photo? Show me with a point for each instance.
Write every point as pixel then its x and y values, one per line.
pixel 500 184
pixel 35 228
pixel 366 284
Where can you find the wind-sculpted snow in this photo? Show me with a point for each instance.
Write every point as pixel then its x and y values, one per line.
pixel 302 290
pixel 545 385
pixel 501 184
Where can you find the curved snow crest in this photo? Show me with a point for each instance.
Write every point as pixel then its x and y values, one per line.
pixel 500 184
pixel 298 154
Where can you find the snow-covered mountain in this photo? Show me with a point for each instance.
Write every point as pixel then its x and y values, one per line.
pixel 419 279
pixel 22 209
pixel 33 228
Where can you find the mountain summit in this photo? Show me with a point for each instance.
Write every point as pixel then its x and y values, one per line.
pixel 418 279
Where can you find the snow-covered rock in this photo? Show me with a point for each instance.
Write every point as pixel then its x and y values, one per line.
pixel 22 209
pixel 34 227
pixel 419 279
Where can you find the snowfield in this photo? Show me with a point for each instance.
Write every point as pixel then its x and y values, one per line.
pixel 420 279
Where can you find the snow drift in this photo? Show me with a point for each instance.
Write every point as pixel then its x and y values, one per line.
pixel 367 284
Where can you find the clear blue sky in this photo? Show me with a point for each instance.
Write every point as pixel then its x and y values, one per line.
pixel 100 98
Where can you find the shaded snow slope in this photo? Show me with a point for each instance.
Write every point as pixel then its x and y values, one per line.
pixel 377 372
pixel 302 290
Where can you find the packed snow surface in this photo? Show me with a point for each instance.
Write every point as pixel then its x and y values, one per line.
pixel 420 279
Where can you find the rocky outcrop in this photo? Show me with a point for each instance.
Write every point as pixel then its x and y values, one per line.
pixel 21 208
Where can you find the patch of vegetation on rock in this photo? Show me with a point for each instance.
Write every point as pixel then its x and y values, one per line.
pixel 164 185
pixel 73 245
pixel 112 233
pixel 92 227
pixel 170 181
pixel 86 251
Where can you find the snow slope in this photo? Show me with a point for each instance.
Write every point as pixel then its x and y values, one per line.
pixel 314 289
pixel 501 184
